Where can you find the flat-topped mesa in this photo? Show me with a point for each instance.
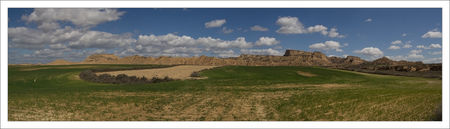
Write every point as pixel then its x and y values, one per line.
pixel 297 53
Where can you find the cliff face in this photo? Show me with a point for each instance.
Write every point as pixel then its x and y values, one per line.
pixel 291 58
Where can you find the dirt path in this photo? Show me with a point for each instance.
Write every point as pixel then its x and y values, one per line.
pixel 176 72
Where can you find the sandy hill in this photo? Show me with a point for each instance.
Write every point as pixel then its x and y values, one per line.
pixel 61 62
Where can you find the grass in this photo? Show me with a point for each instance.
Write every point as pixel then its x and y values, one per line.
pixel 242 93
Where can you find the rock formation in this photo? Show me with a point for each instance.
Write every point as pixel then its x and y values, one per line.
pixel 290 58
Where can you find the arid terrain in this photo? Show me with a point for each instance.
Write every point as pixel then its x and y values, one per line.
pixel 177 72
pixel 299 86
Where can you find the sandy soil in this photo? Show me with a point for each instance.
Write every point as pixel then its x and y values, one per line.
pixel 177 72
pixel 305 74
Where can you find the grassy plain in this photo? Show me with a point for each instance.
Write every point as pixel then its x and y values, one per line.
pixel 230 93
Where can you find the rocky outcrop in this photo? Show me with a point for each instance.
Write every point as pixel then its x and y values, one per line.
pixel 296 58
pixel 290 58
pixel 349 60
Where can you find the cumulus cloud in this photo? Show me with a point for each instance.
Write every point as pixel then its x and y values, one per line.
pixel 267 41
pixel 98 39
pixel 371 52
pixel 404 34
pixel 368 20
pixel 415 54
pixel 86 17
pixel 432 34
pixel 23 37
pixel 396 42
pixel 333 33
pixel 225 53
pixel 327 45
pixel 291 25
pixel 318 28
pixel 407 45
pixel 435 53
pixel 226 30
pixel 431 46
pixel 215 23
pixel 258 28
pixel 268 51
pixel 393 47
pixel 171 40
pixel 433 60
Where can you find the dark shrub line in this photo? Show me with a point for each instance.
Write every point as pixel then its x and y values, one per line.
pixel 89 75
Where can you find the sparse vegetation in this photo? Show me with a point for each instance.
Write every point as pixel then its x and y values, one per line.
pixel 89 75
pixel 253 93
pixel 195 74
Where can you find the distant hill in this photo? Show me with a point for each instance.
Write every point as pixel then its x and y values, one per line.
pixel 290 58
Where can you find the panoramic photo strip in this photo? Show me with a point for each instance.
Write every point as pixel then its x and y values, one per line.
pixel 224 64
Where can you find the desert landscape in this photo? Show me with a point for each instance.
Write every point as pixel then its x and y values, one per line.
pixel 264 89
pixel 224 64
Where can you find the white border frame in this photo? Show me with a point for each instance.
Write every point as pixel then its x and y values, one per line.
pixel 225 4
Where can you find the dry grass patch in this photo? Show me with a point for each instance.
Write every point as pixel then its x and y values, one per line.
pixel 177 72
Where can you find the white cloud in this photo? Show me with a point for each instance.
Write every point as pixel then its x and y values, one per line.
pixel 86 17
pixel 215 23
pixel 431 46
pixel 404 34
pixel 415 54
pixel 225 53
pixel 269 51
pixel 291 25
pixel 328 45
pixel 368 20
pixel 98 39
pixel 435 53
pixel 48 26
pixel 268 41
pixel 396 42
pixel 22 37
pixel 333 33
pixel 226 30
pixel 171 40
pixel 433 60
pixel 371 52
pixel 258 28
pixel 393 47
pixel 407 45
pixel 432 34
pixel 318 28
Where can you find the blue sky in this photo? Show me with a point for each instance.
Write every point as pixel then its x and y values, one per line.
pixel 42 35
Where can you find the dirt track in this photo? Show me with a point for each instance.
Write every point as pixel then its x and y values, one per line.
pixel 176 72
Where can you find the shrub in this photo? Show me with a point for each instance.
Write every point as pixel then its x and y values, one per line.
pixel 195 74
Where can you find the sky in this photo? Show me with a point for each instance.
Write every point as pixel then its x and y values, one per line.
pixel 45 34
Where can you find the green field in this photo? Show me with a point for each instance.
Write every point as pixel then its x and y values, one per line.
pixel 236 93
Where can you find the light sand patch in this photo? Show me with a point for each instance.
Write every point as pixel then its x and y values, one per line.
pixel 306 74
pixel 177 72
